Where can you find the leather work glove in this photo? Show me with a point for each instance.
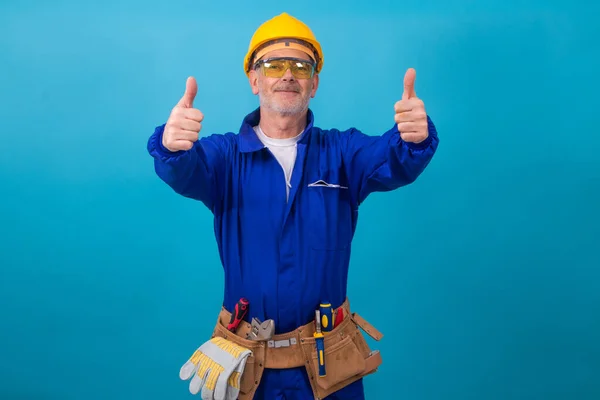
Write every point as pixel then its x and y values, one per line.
pixel 217 368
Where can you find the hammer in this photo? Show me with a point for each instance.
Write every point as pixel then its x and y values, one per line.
pixel 261 331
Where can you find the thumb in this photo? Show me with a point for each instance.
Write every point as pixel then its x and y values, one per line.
pixel 409 84
pixel 191 88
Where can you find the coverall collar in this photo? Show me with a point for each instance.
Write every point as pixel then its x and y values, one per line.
pixel 250 142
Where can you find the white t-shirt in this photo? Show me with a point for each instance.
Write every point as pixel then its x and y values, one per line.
pixel 284 151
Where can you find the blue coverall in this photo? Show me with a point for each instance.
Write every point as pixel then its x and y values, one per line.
pixel 286 257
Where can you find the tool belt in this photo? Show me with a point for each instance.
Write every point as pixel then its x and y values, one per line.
pixel 347 355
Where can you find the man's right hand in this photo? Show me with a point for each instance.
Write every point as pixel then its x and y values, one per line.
pixel 185 122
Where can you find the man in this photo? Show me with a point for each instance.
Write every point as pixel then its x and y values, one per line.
pixel 285 193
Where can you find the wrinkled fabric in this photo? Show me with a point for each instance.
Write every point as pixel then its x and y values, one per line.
pixel 293 384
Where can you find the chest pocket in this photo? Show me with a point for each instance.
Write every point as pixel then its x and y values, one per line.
pixel 330 222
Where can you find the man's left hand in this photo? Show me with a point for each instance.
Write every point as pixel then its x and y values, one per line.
pixel 410 112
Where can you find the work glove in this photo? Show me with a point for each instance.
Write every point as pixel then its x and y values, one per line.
pixel 217 367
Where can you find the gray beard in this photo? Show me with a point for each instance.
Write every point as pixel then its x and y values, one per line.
pixel 285 110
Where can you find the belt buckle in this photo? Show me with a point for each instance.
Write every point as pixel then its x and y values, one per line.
pixel 281 343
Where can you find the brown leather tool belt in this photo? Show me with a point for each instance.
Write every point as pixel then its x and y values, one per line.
pixel 347 354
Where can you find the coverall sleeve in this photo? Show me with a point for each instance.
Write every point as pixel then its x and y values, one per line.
pixel 386 162
pixel 193 173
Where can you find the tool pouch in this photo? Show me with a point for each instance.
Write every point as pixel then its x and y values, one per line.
pixel 347 354
pixel 348 357
pixel 254 365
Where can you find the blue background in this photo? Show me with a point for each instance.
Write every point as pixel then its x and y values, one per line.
pixel 484 275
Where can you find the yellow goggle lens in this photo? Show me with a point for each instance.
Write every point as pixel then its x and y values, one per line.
pixel 276 68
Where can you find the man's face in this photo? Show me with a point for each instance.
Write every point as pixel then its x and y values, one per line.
pixel 287 95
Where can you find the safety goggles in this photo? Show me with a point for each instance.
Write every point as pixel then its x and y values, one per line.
pixel 276 67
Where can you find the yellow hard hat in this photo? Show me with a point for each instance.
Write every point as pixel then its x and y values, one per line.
pixel 283 31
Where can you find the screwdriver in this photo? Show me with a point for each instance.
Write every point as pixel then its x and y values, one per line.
pixel 320 340
pixel 326 317
pixel 238 314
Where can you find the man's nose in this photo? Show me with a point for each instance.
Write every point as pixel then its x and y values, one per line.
pixel 288 76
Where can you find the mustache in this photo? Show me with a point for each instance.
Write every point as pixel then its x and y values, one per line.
pixel 287 88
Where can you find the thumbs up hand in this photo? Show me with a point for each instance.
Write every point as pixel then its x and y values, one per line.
pixel 185 122
pixel 410 112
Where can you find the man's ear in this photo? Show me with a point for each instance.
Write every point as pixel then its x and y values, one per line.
pixel 253 81
pixel 315 86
